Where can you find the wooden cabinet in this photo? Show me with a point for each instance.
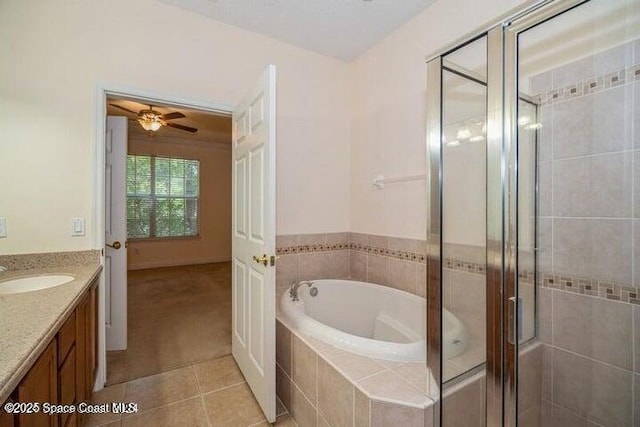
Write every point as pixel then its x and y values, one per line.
pixel 6 419
pixel 65 371
pixel 40 385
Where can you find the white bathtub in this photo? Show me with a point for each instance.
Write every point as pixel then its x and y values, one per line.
pixel 368 319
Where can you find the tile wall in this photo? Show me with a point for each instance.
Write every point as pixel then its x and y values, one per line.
pixel 589 239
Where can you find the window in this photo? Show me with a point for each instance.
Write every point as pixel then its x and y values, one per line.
pixel 162 197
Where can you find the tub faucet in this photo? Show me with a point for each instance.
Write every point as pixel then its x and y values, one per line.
pixel 293 290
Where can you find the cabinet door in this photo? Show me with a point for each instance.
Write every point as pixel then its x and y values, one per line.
pixel 82 394
pixel 7 420
pixel 67 383
pixel 92 338
pixel 40 385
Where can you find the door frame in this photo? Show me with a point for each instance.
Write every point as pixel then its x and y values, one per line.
pixel 102 90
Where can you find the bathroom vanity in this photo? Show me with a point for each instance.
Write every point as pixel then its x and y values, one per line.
pixel 50 348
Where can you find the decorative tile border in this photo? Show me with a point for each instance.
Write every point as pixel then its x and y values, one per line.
pixel 595 288
pixel 599 289
pixel 391 253
pixel 590 85
pixel 468 267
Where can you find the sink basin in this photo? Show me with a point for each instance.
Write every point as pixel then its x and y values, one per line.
pixel 33 283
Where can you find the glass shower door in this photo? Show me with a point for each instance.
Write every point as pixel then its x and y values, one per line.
pixel 576 163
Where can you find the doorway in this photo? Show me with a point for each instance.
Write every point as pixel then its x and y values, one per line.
pixel 178 237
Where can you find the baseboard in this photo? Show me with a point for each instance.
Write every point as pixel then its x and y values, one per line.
pixel 177 263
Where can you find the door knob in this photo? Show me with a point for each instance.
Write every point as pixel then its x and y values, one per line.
pixel 115 245
pixel 264 259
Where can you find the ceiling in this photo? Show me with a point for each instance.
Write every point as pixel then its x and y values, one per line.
pixel 343 29
pixel 211 127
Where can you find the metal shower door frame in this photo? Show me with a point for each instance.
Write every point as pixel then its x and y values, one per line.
pixel 502 203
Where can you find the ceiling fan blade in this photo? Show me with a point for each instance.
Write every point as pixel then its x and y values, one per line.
pixel 182 127
pixel 171 116
pixel 125 109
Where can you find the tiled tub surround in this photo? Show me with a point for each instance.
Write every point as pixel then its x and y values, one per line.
pixel 322 385
pixel 589 239
pixel 29 320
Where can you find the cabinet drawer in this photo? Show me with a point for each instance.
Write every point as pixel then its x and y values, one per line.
pixel 66 337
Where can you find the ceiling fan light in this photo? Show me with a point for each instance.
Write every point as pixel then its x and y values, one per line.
pixel 149 124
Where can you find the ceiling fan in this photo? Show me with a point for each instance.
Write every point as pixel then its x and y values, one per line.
pixel 152 120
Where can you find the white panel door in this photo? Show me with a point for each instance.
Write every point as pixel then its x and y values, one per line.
pixel 254 226
pixel 115 262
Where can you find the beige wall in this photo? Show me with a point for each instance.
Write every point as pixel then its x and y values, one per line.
pixel 54 52
pixel 388 87
pixel 214 241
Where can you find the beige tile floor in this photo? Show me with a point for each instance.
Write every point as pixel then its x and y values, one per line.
pixel 177 316
pixel 213 393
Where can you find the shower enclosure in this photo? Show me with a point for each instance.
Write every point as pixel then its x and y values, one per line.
pixel 533 143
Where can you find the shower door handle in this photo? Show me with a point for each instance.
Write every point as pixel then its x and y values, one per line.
pixel 514 320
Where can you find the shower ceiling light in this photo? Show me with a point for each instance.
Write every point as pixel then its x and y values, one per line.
pixel 524 120
pixel 463 133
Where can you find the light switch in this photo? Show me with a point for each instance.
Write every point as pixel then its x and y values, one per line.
pixel 77 226
pixel 3 226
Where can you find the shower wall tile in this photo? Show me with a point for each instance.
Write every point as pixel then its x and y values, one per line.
pixel 636 338
pixel 636 249
pixel 529 377
pixel 636 105
pixel 609 396
pixel 545 244
pixel 562 417
pixel 545 321
pixel 595 186
pixel 599 123
pixel 545 188
pixel 545 133
pixel 546 388
pixel 636 402
pixel 594 248
pixel 636 174
pixel 540 83
pixel 530 417
pixel 594 327
pixel 596 64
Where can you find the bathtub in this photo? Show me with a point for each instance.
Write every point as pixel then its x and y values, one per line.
pixel 370 320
